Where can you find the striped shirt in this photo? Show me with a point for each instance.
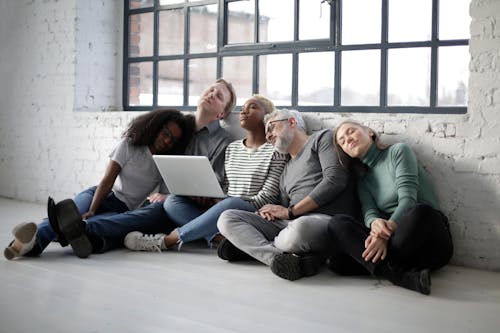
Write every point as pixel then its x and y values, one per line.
pixel 253 174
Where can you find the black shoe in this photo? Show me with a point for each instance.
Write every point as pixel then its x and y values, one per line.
pixel 416 280
pixel 291 267
pixel 227 251
pixel 71 226
pixel 52 216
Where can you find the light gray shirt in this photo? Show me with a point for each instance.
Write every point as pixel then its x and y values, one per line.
pixel 138 176
pixel 317 172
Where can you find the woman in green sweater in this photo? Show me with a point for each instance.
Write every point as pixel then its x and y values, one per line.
pixel 404 235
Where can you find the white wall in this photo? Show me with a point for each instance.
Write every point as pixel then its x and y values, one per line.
pixel 62 56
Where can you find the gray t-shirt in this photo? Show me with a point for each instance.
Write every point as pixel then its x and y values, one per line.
pixel 317 172
pixel 211 141
pixel 139 175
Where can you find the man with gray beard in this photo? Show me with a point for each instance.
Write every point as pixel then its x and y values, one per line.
pixel 292 236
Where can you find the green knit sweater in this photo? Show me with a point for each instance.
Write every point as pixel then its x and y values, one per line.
pixel 393 183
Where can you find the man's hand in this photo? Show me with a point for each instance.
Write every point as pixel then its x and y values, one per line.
pixel 273 212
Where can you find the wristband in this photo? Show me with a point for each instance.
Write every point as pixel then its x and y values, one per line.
pixel 291 215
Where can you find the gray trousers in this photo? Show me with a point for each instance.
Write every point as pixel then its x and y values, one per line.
pixel 263 239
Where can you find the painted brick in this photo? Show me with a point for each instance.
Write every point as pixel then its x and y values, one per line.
pixel 76 66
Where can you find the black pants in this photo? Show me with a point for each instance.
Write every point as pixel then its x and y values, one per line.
pixel 421 240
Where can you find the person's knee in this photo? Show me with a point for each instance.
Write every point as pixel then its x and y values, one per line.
pixel 224 221
pixel 338 226
pixel 171 201
pixel 291 239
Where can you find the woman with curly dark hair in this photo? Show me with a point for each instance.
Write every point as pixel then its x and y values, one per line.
pixel 130 177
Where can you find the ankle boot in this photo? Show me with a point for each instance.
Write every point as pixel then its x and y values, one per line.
pixel 414 279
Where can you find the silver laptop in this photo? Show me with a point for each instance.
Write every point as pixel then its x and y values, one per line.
pixel 189 175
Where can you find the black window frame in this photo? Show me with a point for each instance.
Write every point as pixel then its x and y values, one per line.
pixel 295 47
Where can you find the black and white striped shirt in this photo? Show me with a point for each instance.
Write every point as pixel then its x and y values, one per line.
pixel 253 174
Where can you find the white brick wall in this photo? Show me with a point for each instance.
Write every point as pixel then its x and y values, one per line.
pixel 54 60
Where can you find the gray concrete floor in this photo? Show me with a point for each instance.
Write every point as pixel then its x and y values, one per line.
pixel 194 291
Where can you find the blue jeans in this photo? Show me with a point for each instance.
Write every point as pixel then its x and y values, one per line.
pixel 112 222
pixel 195 224
pixel 111 205
pixel 107 232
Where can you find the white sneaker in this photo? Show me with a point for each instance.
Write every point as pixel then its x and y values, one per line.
pixel 25 235
pixel 137 241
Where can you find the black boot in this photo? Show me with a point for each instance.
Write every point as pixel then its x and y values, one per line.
pixel 292 266
pixel 51 212
pixel 416 280
pixel 227 251
pixel 67 223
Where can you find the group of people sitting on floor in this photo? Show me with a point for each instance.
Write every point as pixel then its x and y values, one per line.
pixel 294 201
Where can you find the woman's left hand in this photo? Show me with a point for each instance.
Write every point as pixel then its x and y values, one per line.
pixel 375 249
pixel 157 197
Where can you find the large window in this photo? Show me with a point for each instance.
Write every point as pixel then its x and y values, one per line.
pixel 398 56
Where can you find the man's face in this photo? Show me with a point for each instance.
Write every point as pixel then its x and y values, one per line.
pixel 279 134
pixel 213 100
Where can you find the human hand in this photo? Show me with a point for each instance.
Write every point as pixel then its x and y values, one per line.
pixel 88 215
pixel 375 249
pixel 272 212
pixel 157 197
pixel 381 228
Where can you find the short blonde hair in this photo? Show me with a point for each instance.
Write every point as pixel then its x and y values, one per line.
pixel 266 103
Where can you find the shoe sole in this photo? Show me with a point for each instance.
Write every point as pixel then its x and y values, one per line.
pixel 26 232
pixel 294 267
pixel 70 225
pixel 9 253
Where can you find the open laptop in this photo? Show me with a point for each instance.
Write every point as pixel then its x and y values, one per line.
pixel 189 175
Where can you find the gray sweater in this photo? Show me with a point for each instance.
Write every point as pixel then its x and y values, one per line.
pixel 317 172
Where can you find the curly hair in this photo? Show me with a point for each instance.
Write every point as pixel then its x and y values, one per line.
pixel 143 130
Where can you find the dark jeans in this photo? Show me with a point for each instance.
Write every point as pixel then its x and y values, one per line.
pixel 112 222
pixel 421 240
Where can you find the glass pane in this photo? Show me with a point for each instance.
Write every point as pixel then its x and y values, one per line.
pixel 238 71
pixel 454 19
pixel 360 78
pixel 276 20
pixel 410 20
pixel 141 35
pixel 314 21
pixel 171 32
pixel 408 77
pixel 202 73
pixel 453 75
pixel 140 80
pixel 316 89
pixel 240 22
pixel 203 29
pixel 275 78
pixel 170 82
pixel 170 2
pixel 361 21
pixel 134 4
